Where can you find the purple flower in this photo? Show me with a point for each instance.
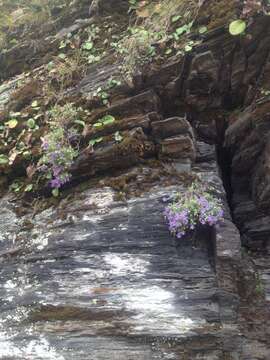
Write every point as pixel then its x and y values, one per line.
pixel 57 170
pixel 56 183
pixel 194 207
pixel 43 168
pixel 45 144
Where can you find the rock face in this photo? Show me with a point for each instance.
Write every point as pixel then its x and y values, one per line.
pixel 105 277
pixel 97 275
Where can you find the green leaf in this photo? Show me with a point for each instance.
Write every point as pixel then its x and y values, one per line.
pixel 118 137
pixel 107 119
pixel 26 154
pixel 181 30
pixel 3 159
pixel 95 141
pixel 237 27
pixel 50 65
pixel 12 123
pixel 62 56
pixel 62 45
pixel 29 188
pixel 34 104
pixel 88 45
pixel 13 41
pixel 55 192
pixel 31 123
pixel 176 18
pixel 80 122
pixel 202 29
pixel 98 124
pixel 104 95
pixel 16 186
pixel 168 51
pixel 188 48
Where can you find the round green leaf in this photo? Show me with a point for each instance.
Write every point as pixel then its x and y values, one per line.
pixel 31 123
pixel 237 27
pixel 62 56
pixel 55 192
pixel 88 45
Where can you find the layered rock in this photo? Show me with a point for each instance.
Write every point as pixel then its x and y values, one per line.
pixel 98 273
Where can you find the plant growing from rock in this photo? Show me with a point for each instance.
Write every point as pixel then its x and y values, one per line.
pixel 157 25
pixel 59 146
pixel 197 206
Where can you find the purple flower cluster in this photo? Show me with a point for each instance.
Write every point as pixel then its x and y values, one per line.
pixel 59 180
pixel 194 207
pixel 58 156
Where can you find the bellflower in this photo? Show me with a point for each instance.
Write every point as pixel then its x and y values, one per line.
pixel 194 207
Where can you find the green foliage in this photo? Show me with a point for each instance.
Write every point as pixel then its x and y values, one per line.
pixel 90 52
pixel 237 27
pixel 31 123
pixel 105 120
pixel 12 123
pixel 265 92
pixel 16 186
pixel 138 49
pixel 3 159
pixel 164 24
pixel 132 5
pixel 95 141
pixel 102 92
pixel 63 115
pixel 60 146
pixel 185 29
pixel 197 206
pixel 118 137
pixel 14 13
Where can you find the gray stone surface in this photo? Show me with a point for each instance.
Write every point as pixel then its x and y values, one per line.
pixel 103 279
